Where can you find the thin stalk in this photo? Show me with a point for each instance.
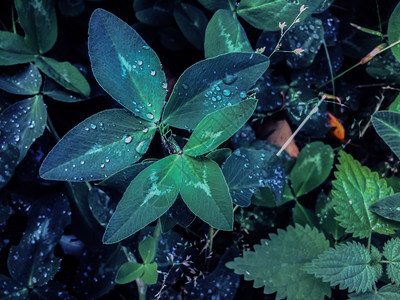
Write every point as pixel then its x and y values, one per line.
pixel 303 210
pixel 51 128
pixel 379 16
pixel 369 241
pixel 13 19
pixel 328 58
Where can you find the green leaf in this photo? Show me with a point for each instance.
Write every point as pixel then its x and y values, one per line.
pixel 192 22
pixel 391 251
pixel 9 155
pixel 212 84
pixel 356 188
pixel 326 217
pixel 153 12
pixel 277 264
pixel 206 193
pixel 13 49
pixel 394 31
pixel 128 272
pixel 147 249
pixel 384 67
pixel 219 126
pixel 27 81
pixel 148 196
pixel 304 216
pixel 101 205
pixel 348 265
pixel 65 74
pixel 224 34
pixel 388 207
pixel 98 147
pixel 219 155
pixel 387 292
pixel 214 5
pixel 312 168
pixel 125 66
pixel 38 19
pixel 150 274
pixel 266 14
pixel 395 105
pixel 11 289
pixel 387 125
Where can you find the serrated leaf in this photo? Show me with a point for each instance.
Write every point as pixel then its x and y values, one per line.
pixel 13 49
pixel 147 249
pixel 387 125
pixel 391 251
pixel 148 196
pixel 224 34
pixel 387 292
pixel 154 12
pixel 150 274
pixel 348 265
pixel 394 31
pixel 27 81
pixel 395 105
pixel 125 66
pixel 388 207
pixel 212 84
pixel 206 193
pixel 98 147
pixel 312 168
pixel 356 188
pixel 277 264
pixel 219 126
pixel 128 272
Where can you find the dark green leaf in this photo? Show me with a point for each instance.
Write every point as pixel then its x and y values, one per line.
pixel 178 213
pixel 128 272
pixel 214 5
pixel 147 249
pixel 10 289
pixel 391 251
pixel 395 105
pixel 70 8
pixel 57 92
pixel 394 31
pixel 304 216
pixel 13 49
pixel 387 125
pixel 388 207
pixel 326 217
pixel 153 12
pixel 101 205
pixel 387 292
pixel 219 155
pixel 150 274
pixel 385 67
pixel 52 290
pixel 26 82
pixel 9 158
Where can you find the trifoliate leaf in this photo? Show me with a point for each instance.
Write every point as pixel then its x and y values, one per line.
pixel 277 264
pixel 129 272
pixel 387 292
pixel 391 251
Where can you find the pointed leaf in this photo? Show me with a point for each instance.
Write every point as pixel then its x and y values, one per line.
pixel 125 66
pixel 25 82
pixel 98 147
pixel 206 193
pixel 394 30
pixel 212 84
pixel 387 292
pixel 219 126
pixel 13 49
pixel 388 207
pixel 150 274
pixel 148 196
pixel 147 249
pixel 387 125
pixel 128 272
pixel 391 251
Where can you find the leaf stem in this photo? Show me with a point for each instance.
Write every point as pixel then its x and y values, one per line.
pixel 303 210
pixel 369 241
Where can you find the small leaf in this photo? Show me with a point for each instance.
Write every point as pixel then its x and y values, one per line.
pixel 147 249
pixel 57 92
pixel 150 274
pixel 98 147
pixel 10 289
pixel 219 126
pixel 387 292
pixel 348 265
pixel 388 207
pixel 206 193
pixel 391 251
pixel 153 12
pixel 9 159
pixel 394 31
pixel 128 272
pixel 214 5
pixel 13 49
pixel 148 196
pixel 25 82
pixel 387 125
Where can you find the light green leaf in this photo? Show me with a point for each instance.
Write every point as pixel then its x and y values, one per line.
pixel 387 125
pixel 387 292
pixel 148 197
pixel 128 272
pixel 38 19
pixel 27 81
pixel 150 274
pixel 98 147
pixel 65 74
pixel 312 168
pixel 212 84
pixel 277 264
pixel 219 126
pixel 13 49
pixel 391 251
pixel 147 249
pixel 125 66
pixel 224 34
pixel 394 30
pixel 206 193
pixel 348 265
pixel 388 207
pixel 356 188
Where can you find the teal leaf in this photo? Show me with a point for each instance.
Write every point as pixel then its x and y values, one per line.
pixel 394 31
pixel 206 193
pixel 384 67
pixel 326 217
pixel 348 265
pixel 57 92
pixel 150 274
pixel 224 34
pixel 125 66
pixel 391 251
pixel 277 264
pixel 212 84
pixel 148 197
pixel 388 207
pixel 219 126
pixel 219 155
pixel 101 205
pixel 387 292
pixel 312 168
pixel 153 12
pixel 128 272
pixel 11 289
pixel 214 5
pixel 13 49
pixel 98 147
pixel 147 249
pixel 26 81
pixel 387 125
pixel 38 19
pixel 9 155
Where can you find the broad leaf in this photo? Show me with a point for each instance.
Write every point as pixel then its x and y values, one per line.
pixel 348 265
pixel 224 34
pixel 356 188
pixel 98 147
pixel 206 193
pixel 38 19
pixel 391 251
pixel 13 49
pixel 394 31
pixel 387 125
pixel 125 66
pixel 388 207
pixel 212 84
pixel 153 12
pixel 277 264
pixel 312 168
pixel 128 272
pixel 147 249
pixel 27 81
pixel 150 274
pixel 387 292
pixel 148 196
pixel 219 126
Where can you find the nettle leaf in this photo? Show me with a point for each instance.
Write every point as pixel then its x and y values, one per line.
pixel 39 21
pixel 148 197
pixel 153 12
pixel 212 84
pixel 348 265
pixel 192 22
pixel 391 251
pixel 13 49
pixel 125 66
pixel 266 15
pixel 22 123
pixel 26 81
pixel 356 188
pixel 387 292
pixel 388 207
pixel 147 249
pixel 387 125
pixel 128 272
pixel 219 126
pixel 214 5
pixel 65 74
pixel 224 34
pixel 394 30
pixel 206 193
pixel 312 168
pixel 98 147
pixel 277 264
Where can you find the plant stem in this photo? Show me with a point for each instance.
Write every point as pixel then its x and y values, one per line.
pixel 340 75
pixel 369 241
pixel 51 128
pixel 303 210
pixel 328 58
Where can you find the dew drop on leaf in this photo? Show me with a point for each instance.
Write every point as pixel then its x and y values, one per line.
pixel 226 92
pixel 152 72
pixel 185 86
pixel 150 116
pixel 140 62
pixel 243 94
pixel 127 139
pixel 229 79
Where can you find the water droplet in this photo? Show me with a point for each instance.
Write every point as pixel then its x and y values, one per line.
pixel 17 138
pixel 145 47
pixel 145 130
pixel 102 165
pixel 31 124
pixel 150 116
pixel 140 62
pixel 127 139
pixel 185 86
pixel 141 147
pixel 229 79
pixel 243 94
pixel 93 126
pixel 82 162
pixel 226 93
pixel 107 160
pixel 87 128
pixel 152 72
pixel 164 85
